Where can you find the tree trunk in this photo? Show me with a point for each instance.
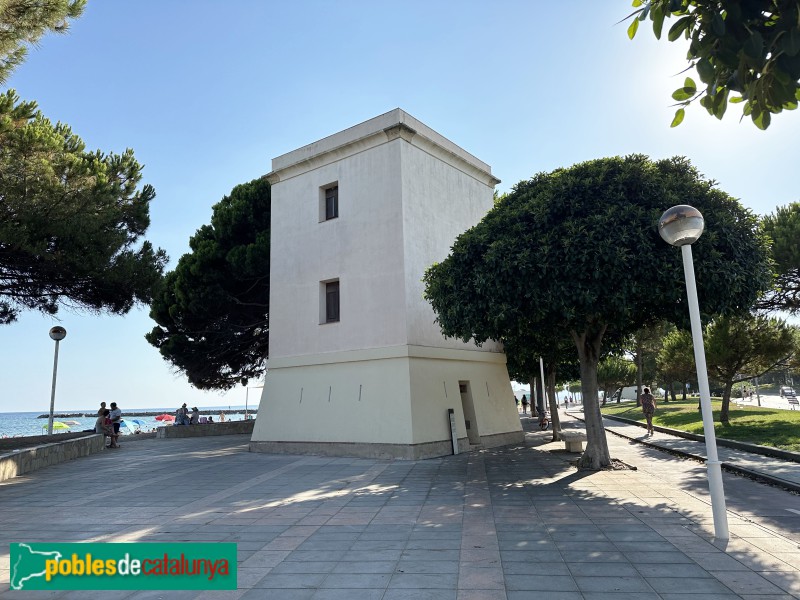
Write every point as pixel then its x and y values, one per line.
pixel 726 402
pixel 532 399
pixel 638 372
pixel 540 408
pixel 555 421
pixel 596 455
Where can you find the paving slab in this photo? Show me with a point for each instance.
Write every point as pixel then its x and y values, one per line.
pixel 506 523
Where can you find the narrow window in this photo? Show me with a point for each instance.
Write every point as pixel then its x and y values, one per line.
pixel 331 202
pixel 332 302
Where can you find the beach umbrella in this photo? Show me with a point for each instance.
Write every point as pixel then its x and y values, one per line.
pixel 57 425
pixel 165 417
pixel 132 424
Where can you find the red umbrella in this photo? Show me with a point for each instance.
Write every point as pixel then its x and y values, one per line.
pixel 165 417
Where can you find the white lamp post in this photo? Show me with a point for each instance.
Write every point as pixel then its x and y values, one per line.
pixel 681 226
pixel 57 333
pixel 247 398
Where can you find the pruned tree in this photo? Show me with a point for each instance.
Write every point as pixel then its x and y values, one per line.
pixel 597 222
pixel 751 49
pixel 24 22
pixel 212 311
pixel 71 220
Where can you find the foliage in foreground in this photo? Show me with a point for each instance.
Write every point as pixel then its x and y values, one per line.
pixel 24 22
pixel 753 424
pixel 71 220
pixel 749 48
pixel 212 310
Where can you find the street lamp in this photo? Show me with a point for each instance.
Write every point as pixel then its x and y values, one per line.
pixel 247 398
pixel 681 226
pixel 57 334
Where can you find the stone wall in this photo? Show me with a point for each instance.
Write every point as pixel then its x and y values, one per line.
pixel 205 429
pixel 7 445
pixel 19 462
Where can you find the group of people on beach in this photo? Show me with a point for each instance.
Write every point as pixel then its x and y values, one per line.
pixel 183 417
pixel 108 423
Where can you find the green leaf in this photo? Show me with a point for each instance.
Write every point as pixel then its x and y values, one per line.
pixel 797 94
pixel 677 29
pixel 736 100
pixel 679 114
pixel 718 25
pixel 754 45
pixel 720 103
pixel 705 69
pixel 790 43
pixel 636 3
pixel 658 21
pixel 762 119
pixel 683 93
pixel 632 28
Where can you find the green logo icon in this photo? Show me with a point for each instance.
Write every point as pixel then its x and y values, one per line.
pixel 141 566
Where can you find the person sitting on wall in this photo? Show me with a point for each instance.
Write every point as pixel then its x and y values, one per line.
pixel 181 416
pixel 195 417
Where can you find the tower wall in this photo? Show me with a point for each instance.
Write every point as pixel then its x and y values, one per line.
pixel 379 380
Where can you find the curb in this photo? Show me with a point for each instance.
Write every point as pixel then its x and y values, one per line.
pixel 730 467
pixel 736 445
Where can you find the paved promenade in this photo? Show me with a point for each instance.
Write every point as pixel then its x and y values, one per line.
pixel 778 471
pixel 513 523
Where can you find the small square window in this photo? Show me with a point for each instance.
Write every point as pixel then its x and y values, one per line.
pixel 331 202
pixel 332 302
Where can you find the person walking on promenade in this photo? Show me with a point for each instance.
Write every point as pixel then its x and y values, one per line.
pixel 649 409
pixel 524 404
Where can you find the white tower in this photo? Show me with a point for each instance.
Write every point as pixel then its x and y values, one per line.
pixel 357 365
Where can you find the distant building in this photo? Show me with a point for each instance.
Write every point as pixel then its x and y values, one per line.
pixel 357 364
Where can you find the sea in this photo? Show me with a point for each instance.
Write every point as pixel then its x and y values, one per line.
pixel 18 424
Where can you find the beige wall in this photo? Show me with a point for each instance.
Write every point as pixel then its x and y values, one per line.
pixel 404 397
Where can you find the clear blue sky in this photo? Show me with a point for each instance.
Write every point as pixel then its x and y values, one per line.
pixel 207 93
